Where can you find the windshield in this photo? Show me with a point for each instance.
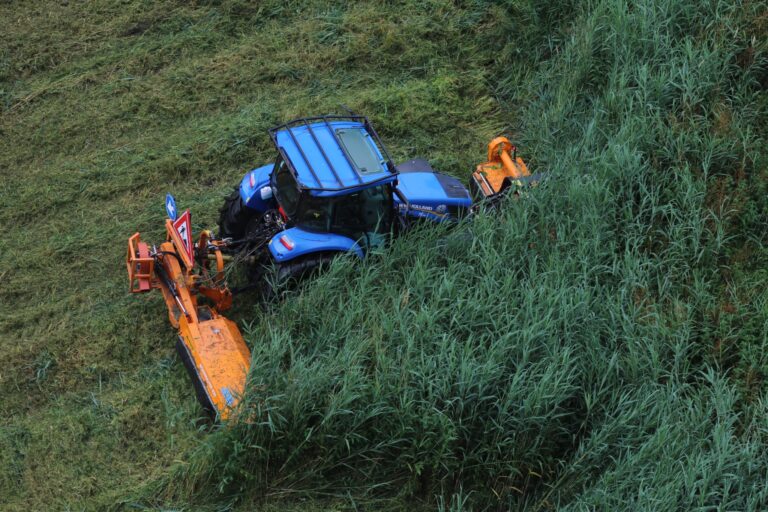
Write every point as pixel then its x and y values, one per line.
pixel 316 213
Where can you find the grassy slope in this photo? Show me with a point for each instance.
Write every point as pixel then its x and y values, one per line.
pixel 108 105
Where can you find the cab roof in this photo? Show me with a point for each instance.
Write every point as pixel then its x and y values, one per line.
pixel 332 155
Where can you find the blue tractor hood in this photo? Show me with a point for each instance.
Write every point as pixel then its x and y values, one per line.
pixel 430 194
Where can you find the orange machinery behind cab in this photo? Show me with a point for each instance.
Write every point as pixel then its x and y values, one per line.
pixel 211 346
pixel 503 170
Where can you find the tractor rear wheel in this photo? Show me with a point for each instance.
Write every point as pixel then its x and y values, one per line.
pixel 288 276
pixel 234 216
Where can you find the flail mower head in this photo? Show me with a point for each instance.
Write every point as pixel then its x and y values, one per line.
pixel 503 173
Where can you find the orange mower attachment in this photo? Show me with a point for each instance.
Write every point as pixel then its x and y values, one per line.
pixel 210 345
pixel 503 170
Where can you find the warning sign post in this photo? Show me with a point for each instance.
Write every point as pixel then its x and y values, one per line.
pixel 183 229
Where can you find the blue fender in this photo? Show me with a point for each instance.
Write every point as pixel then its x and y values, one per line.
pixel 308 242
pixel 250 189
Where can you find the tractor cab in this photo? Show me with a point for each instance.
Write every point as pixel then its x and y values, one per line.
pixel 364 214
pixel 333 176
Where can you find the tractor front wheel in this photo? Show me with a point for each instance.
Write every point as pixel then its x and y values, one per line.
pixel 234 216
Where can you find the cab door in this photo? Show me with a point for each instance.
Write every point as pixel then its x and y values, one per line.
pixel 365 216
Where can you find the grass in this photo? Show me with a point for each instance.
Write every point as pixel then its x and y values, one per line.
pixel 597 344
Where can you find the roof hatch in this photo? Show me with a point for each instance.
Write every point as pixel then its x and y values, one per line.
pixel 360 149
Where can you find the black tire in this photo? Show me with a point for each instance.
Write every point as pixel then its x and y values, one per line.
pixel 288 276
pixel 234 216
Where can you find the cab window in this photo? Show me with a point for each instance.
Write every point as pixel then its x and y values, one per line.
pixel 315 213
pixel 367 211
pixel 286 189
pixel 361 150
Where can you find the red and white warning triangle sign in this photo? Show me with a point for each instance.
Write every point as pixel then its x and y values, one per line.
pixel 183 227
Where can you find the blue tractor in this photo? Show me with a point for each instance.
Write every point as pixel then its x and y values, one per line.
pixel 333 189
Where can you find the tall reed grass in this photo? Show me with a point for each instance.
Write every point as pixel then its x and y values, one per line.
pixel 564 352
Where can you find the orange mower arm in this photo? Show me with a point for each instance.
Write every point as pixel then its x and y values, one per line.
pixel 210 345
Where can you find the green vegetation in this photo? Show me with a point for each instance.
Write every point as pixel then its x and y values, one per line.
pixel 600 343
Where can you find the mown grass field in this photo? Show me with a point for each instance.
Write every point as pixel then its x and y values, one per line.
pixel 600 344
